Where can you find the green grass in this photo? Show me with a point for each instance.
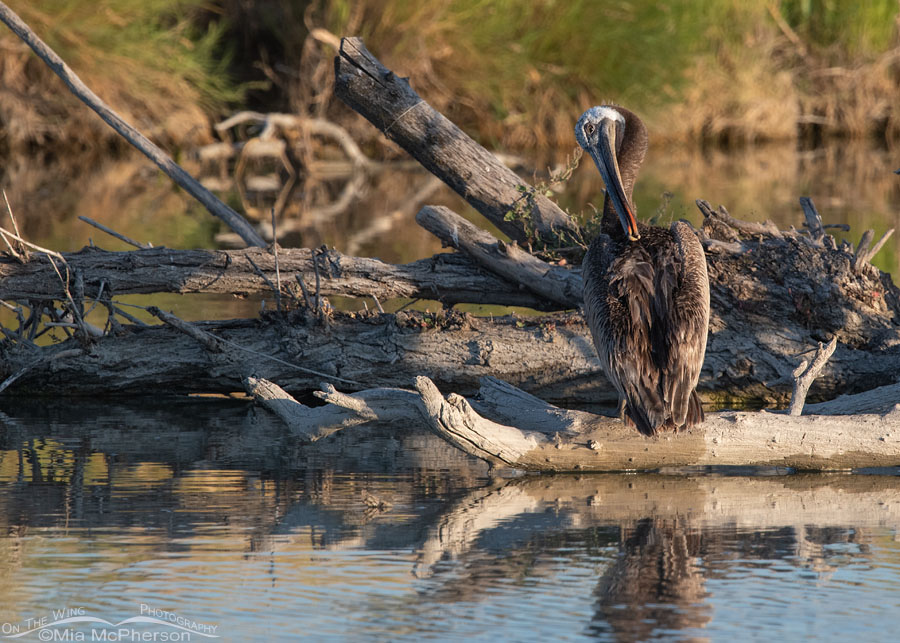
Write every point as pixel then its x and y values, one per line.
pixel 851 28
pixel 146 48
pixel 514 70
pixel 519 72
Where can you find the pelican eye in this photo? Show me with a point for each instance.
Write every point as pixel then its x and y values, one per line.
pixel 589 128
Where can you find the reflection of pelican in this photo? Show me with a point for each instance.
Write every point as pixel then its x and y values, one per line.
pixel 646 291
pixel 657 580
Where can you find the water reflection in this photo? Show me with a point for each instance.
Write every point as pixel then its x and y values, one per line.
pixel 655 584
pixel 211 509
pixel 851 182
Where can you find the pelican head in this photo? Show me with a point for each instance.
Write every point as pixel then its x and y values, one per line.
pixel 600 132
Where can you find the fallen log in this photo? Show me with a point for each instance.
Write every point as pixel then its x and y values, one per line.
pixel 550 356
pixel 449 277
pixel 298 351
pixel 547 439
pixel 390 104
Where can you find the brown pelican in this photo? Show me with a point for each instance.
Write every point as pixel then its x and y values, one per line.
pixel 646 291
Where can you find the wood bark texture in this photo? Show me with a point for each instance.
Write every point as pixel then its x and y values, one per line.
pixel 390 104
pixel 450 278
pixel 541 437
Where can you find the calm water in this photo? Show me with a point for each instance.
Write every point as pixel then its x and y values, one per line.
pixel 206 513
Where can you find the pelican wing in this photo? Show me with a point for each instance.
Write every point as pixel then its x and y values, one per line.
pixel 649 315
pixel 687 325
pixel 619 287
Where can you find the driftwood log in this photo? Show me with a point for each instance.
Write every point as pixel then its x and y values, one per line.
pixel 510 428
pixel 390 104
pixel 775 296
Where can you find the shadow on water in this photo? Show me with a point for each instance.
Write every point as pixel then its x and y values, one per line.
pixel 210 508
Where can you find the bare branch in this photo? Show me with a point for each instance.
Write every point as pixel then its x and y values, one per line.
pixel 813 220
pixel 209 341
pixel 806 373
pixel 162 160
pixel 744 227
pixel 117 235
pixel 507 260
pixel 864 253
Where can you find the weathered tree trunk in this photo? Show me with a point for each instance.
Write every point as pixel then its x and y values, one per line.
pixel 509 428
pixel 550 356
pixel 392 106
pixel 450 278
pixel 553 357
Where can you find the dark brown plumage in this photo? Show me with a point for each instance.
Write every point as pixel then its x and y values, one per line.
pixel 646 289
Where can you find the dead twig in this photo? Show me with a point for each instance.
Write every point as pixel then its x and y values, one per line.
pixel 34 319
pixel 304 291
pixel 277 271
pixel 96 298
pixel 315 258
pixel 813 220
pixel 112 324
pixel 33 246
pixel 209 341
pixel 12 217
pixel 118 311
pixel 275 289
pixel 745 227
pixel 18 312
pixel 806 373
pixel 76 309
pixel 864 253
pixel 19 251
pixel 117 235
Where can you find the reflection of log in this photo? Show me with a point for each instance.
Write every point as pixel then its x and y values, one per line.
pixel 758 503
pixel 547 439
pixel 672 531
